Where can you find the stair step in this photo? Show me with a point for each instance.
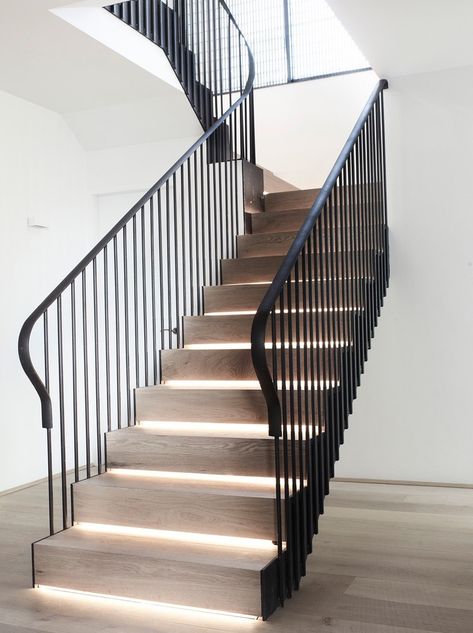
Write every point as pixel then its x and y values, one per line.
pixel 264 269
pixel 148 448
pixel 287 200
pixel 176 572
pixel 217 508
pixel 229 365
pixel 168 404
pixel 277 222
pixel 235 330
pixel 245 298
pixel 264 244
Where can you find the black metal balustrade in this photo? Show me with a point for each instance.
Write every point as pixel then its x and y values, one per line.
pixel 99 333
pixel 318 317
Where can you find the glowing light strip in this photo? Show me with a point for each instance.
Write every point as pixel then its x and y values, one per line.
pixel 246 480
pixel 214 428
pixel 199 428
pixel 248 384
pixel 172 535
pixel 164 606
pixel 295 345
pixel 285 311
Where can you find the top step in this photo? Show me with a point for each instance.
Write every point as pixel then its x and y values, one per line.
pixel 290 200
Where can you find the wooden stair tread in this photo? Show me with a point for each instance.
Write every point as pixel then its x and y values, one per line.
pixel 235 557
pixel 210 487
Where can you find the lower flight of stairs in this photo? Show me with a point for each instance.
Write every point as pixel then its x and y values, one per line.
pixel 185 514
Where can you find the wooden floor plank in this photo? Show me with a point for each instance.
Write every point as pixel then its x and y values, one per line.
pixel 388 559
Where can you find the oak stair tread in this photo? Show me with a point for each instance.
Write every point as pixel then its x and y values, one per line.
pixel 229 487
pixel 236 556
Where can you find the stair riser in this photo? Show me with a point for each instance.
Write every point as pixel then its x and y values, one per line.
pixel 215 330
pixel 284 221
pixel 207 455
pixel 217 365
pixel 179 583
pixel 200 405
pixel 225 515
pixel 203 405
pixel 230 299
pixel 286 200
pixel 267 244
pixel 305 198
pixel 263 269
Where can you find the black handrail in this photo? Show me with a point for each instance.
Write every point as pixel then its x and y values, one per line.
pixel 312 330
pixel 258 329
pixel 25 332
pixel 195 209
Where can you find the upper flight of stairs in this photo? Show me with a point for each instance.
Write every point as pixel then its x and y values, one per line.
pixel 185 513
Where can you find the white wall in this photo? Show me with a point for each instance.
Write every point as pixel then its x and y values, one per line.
pixel 301 127
pixel 413 419
pixel 42 174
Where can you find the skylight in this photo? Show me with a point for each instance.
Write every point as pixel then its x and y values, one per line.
pixel 294 40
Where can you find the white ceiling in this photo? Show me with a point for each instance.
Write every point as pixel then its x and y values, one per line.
pixel 403 37
pixel 106 99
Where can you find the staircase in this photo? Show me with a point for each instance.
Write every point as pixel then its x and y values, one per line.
pixel 202 387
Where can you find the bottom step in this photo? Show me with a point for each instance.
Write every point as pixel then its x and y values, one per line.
pixel 223 578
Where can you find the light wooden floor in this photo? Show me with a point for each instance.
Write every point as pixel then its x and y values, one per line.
pixel 389 559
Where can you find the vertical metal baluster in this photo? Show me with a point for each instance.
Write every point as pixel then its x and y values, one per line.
pixel 304 432
pixel 168 267
pixel 74 380
pixel 118 378
pixel 62 422
pixel 135 302
pixel 127 326
pixel 322 352
pixel 156 24
pixel 383 153
pixel 206 253
pixel 293 444
pixel 49 447
pixel 125 12
pixel 345 331
pixel 141 26
pixel 133 8
pixel 85 353
pixel 107 340
pixel 184 257
pixel 277 469
pixel 176 260
pixel 97 368
pixel 337 290
pixel 295 350
pixel 288 503
pixel 357 261
pixel 153 289
pixel 144 302
pixel 322 444
pixel 199 234
pixel 380 200
pixel 161 268
pixel 311 343
pixel 331 318
pixel 193 259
